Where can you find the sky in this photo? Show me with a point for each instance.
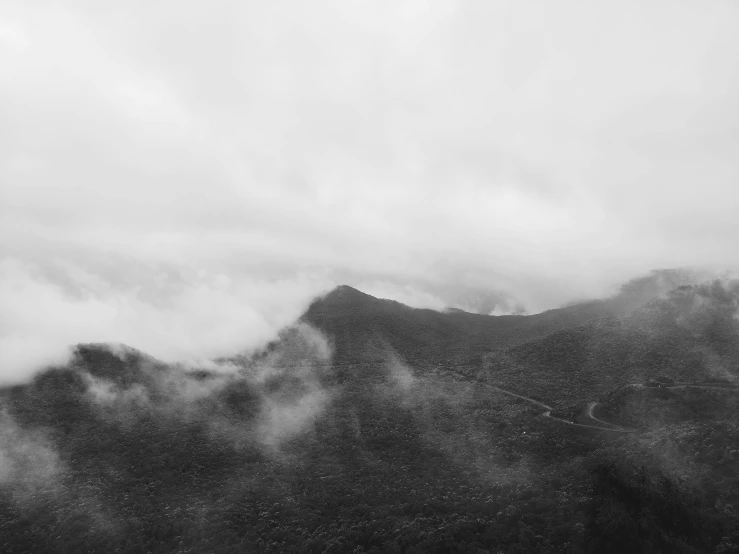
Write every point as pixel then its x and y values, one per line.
pixel 185 177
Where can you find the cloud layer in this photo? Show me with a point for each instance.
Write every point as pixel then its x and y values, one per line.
pixel 184 179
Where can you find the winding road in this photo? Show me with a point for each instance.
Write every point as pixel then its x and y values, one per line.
pixel 604 425
pixel 590 414
pixel 548 414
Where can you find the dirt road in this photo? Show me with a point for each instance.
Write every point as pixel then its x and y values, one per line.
pixel 605 425
pixel 549 409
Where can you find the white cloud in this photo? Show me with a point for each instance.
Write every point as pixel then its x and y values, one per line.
pixel 192 321
pixel 406 294
pixel 545 150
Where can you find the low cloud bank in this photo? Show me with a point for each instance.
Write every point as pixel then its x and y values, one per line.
pixel 181 313
pixel 265 399
pixel 450 149
pixel 191 317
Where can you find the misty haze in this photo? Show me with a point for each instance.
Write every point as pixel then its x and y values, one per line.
pixel 411 276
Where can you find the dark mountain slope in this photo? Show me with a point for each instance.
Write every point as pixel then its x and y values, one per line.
pixel 689 334
pixel 162 460
pixel 117 452
pixel 143 458
pixel 363 327
pixel 638 292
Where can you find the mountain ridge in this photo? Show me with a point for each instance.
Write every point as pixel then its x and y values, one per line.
pixel 297 449
pixel 356 321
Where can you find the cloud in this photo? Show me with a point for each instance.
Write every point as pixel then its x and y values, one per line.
pixel 407 294
pixel 29 465
pixel 402 374
pixel 282 421
pixel 105 393
pixel 266 398
pixel 188 320
pixel 544 152
pixel 294 395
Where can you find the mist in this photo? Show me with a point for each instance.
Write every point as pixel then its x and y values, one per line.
pixel 29 465
pixel 178 183
pixel 190 319
pixel 206 172
pixel 261 399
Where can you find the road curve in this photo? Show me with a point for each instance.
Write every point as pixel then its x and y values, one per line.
pixel 548 414
pixel 698 386
pixel 591 415
pixel 604 425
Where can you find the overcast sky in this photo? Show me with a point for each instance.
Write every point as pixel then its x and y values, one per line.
pixel 184 176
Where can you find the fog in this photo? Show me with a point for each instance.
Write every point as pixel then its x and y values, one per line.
pixel 190 321
pixel 28 463
pixel 442 408
pixel 185 179
pixel 263 400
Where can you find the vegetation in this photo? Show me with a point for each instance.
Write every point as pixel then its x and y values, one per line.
pixel 392 443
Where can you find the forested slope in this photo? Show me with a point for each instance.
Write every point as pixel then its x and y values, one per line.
pixel 370 430
pixel 690 334
pixel 273 460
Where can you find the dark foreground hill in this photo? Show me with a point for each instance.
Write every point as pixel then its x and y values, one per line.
pixel 170 460
pixel 300 449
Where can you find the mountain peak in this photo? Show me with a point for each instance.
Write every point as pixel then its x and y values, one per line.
pixel 344 294
pixel 346 301
pixel 347 290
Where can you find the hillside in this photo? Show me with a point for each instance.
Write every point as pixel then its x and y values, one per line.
pixel 365 428
pixel 118 452
pixel 689 334
pixel 363 327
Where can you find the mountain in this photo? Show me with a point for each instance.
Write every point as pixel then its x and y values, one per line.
pixel 640 291
pixel 369 426
pixel 689 334
pixel 363 327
